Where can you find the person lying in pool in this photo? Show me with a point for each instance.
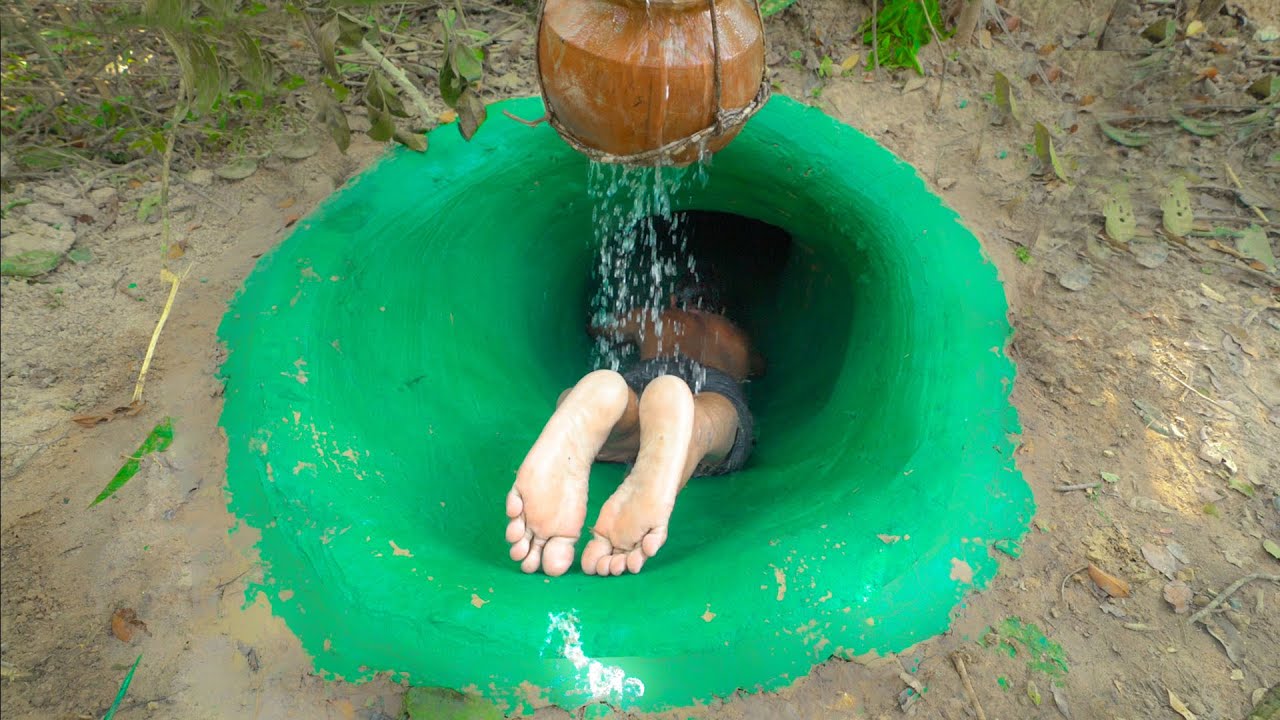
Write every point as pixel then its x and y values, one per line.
pixel 679 412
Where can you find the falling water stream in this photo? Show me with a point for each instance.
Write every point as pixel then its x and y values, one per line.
pixel 641 253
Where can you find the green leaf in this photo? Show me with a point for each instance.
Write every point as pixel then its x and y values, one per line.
pixel 773 7
pixel 32 263
pixel 1253 242
pixel 1118 210
pixel 381 125
pixel 382 94
pixel 329 112
pixel 147 206
pixel 1033 692
pixel 1265 87
pixel 80 256
pixel 1176 207
pixel 1235 482
pixel 1128 138
pixel 1197 127
pixel 414 141
pixel 421 703
pixel 350 33
pixel 340 91
pixel 1161 32
pixel 471 113
pixel 467 62
pixel 253 64
pixel 1004 96
pixel 205 84
pixel 1272 548
pixel 326 39
pixel 124 688
pixel 158 440
pixel 1046 154
pixel 451 86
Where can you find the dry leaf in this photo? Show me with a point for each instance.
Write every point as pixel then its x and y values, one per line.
pixel 1111 585
pixel 286 203
pixel 1178 594
pixel 889 539
pixel 1180 707
pixel 447 117
pixel 124 623
pixel 291 218
pixel 1161 559
pixel 1194 28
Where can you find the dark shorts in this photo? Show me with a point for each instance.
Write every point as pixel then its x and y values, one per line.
pixel 703 379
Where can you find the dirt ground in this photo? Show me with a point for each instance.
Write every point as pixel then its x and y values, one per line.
pixel 1154 380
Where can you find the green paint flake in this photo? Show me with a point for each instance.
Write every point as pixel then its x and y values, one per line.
pixel 423 465
pixel 158 440
pixel 1043 655
pixel 1002 682
pixel 1008 547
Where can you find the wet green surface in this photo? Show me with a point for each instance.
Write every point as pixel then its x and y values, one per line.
pixel 394 358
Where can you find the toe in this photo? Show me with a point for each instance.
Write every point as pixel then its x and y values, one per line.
pixel 557 556
pixel 534 558
pixel 635 560
pixel 516 529
pixel 520 548
pixel 602 566
pixel 617 564
pixel 654 540
pixel 515 504
pixel 592 553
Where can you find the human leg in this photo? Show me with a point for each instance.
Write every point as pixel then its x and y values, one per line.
pixel 547 504
pixel 679 433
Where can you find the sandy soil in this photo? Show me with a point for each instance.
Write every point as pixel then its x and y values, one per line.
pixel 1165 377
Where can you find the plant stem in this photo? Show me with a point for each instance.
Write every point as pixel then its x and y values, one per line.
pixel 393 70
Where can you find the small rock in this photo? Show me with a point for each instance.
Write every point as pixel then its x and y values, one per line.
pixel 104 196
pixel 38 236
pixel 201 177
pixel 52 195
pixel 1109 453
pixel 43 212
pixel 946 183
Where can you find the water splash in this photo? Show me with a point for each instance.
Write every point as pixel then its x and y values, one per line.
pixel 602 682
pixel 641 248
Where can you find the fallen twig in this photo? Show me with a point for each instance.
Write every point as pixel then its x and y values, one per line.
pixel 1231 590
pixel 1079 486
pixel 958 661
pixel 1184 384
pixel 1062 587
pixel 1235 179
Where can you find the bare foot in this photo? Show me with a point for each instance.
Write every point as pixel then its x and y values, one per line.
pixel 548 502
pixel 633 522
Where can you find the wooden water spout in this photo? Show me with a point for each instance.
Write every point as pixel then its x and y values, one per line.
pixel 650 82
